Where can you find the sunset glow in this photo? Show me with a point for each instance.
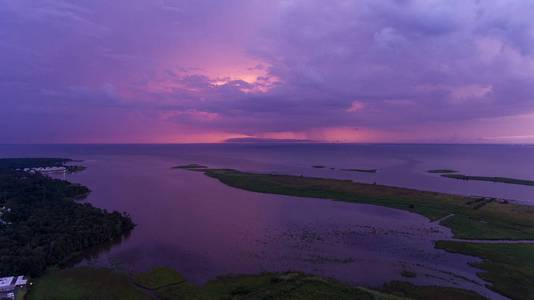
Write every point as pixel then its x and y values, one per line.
pixel 358 71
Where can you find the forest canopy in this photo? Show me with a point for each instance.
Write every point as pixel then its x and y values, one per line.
pixel 43 223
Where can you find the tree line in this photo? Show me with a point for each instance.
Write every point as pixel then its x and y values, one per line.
pixel 42 224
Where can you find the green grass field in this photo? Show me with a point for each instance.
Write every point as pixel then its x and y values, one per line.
pixel 167 284
pixel 158 278
pixel 270 286
pixel 84 284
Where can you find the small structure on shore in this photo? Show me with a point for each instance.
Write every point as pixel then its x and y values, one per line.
pixel 10 285
pixel 46 170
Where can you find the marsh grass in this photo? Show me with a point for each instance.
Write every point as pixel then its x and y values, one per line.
pixel 493 221
pixel 93 283
pixel 158 277
pixel 85 283
pixel 509 267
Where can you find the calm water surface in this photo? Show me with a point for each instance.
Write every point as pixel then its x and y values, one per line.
pixel 203 228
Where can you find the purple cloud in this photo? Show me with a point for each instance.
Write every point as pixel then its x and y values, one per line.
pixel 342 70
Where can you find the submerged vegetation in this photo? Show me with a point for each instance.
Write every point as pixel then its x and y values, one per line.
pixel 42 224
pixel 163 283
pixel 491 179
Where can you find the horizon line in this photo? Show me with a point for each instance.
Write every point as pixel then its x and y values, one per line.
pixel 274 142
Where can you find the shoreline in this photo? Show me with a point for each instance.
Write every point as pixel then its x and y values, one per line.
pixel 498 222
pixel 427 212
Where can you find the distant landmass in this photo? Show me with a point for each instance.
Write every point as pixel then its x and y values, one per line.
pixel 266 140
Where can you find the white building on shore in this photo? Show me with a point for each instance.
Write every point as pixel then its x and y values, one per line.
pixel 46 170
pixel 9 286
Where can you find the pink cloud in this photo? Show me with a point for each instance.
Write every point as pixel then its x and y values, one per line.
pixel 191 114
pixel 469 92
pixel 356 106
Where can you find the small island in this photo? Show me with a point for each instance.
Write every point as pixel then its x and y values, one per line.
pixel 191 167
pixel 360 170
pixel 442 171
pixel 448 173
pixel 506 180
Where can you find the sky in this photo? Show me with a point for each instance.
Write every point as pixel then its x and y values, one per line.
pixel 201 71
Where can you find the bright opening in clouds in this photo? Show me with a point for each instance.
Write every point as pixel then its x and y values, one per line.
pixel 207 70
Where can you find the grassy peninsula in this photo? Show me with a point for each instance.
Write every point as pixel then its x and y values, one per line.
pixel 165 283
pixel 41 222
pixel 469 218
pixel 191 167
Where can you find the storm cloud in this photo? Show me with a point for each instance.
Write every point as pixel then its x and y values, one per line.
pixel 205 71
